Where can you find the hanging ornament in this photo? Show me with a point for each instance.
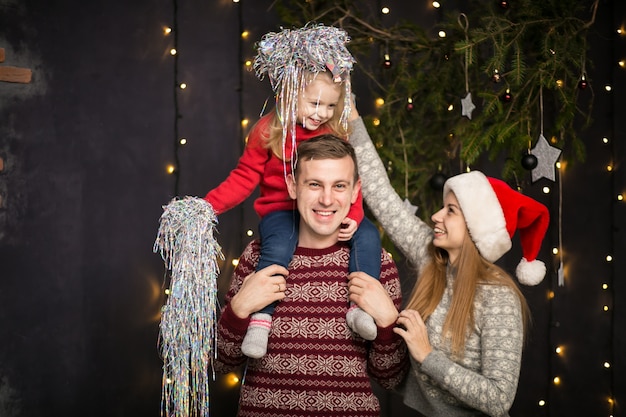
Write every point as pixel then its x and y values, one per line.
pixel 582 84
pixel 496 77
pixel 437 181
pixel 504 4
pixel 387 62
pixel 410 207
pixel 529 161
pixel 546 154
pixel 467 106
pixel 507 96
pixel 546 158
pixel 409 104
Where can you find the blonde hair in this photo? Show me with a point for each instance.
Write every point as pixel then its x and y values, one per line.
pixel 471 270
pixel 274 135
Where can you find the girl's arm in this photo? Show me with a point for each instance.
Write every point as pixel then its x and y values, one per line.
pixel 246 176
pixel 407 231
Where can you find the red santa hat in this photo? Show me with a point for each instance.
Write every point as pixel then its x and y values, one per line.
pixel 493 212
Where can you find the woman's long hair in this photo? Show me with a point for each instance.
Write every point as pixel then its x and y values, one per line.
pixel 471 270
pixel 274 136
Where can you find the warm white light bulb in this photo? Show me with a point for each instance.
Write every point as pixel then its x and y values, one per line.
pixel 249 233
pixel 385 10
pixel 546 190
pixel 442 34
pixel 436 4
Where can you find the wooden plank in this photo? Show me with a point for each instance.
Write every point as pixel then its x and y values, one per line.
pixel 1 54
pixel 15 74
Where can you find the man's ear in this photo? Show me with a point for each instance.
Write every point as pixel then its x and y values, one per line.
pixel 291 186
pixel 355 191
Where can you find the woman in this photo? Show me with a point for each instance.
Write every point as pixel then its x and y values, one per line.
pixel 465 320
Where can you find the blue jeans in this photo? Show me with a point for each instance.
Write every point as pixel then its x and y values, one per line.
pixel 279 238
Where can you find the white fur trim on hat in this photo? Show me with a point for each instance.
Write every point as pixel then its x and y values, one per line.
pixel 482 211
pixel 530 273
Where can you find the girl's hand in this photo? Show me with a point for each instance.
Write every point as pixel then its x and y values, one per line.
pixel 413 330
pixel 369 294
pixel 259 290
pixel 348 227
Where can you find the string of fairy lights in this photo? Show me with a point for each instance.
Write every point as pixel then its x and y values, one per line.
pixel 606 289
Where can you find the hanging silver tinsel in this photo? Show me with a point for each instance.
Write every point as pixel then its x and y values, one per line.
pixel 190 251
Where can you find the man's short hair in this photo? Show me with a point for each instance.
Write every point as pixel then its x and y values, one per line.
pixel 326 146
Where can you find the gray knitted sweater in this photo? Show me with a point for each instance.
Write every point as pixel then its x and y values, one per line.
pixel 484 381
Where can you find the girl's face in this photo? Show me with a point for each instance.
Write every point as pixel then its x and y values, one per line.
pixel 449 227
pixel 318 101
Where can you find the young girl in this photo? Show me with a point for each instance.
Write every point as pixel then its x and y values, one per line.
pixel 465 321
pixel 309 72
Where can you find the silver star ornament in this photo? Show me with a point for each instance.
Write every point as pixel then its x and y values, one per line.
pixel 546 158
pixel 468 106
pixel 410 207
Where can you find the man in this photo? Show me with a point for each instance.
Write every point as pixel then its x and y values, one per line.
pixel 315 365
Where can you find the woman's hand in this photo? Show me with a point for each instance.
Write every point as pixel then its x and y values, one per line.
pixel 369 294
pixel 259 290
pixel 413 330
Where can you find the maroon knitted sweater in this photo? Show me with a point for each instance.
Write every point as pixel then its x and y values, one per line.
pixel 315 365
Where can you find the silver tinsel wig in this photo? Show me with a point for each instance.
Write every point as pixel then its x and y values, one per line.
pixel 187 244
pixel 289 56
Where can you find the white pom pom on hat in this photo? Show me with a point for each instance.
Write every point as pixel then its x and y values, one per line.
pixel 493 212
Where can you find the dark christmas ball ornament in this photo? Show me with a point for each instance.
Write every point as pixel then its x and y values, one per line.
pixel 504 4
pixel 529 161
pixel 387 62
pixel 436 181
pixel 507 96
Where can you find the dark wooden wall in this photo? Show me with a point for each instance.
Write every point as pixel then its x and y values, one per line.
pixel 85 146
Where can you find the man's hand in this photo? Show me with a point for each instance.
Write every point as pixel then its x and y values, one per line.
pixel 369 294
pixel 348 227
pixel 259 290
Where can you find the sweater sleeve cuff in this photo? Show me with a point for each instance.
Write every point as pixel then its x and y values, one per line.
pixel 232 321
pixel 386 334
pixel 436 365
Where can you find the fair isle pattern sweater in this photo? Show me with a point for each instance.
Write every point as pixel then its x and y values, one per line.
pixel 484 380
pixel 315 365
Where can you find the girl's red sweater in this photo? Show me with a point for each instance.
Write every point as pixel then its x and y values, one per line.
pixel 258 166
